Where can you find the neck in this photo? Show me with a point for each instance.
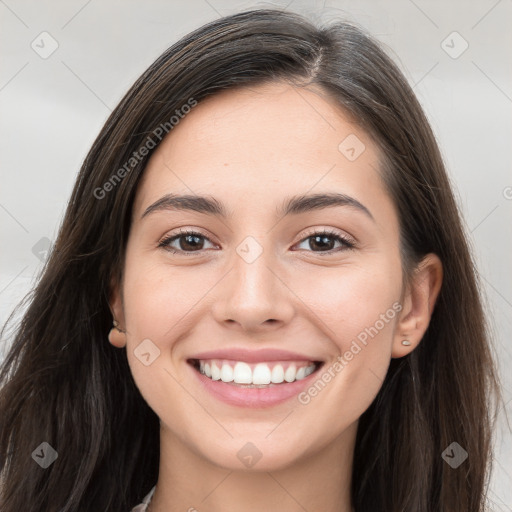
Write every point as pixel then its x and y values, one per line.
pixel 318 481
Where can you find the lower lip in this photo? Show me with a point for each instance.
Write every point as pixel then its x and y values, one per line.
pixel 253 397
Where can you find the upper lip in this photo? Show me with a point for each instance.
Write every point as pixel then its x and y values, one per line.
pixel 253 356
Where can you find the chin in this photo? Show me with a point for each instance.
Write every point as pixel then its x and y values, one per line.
pixel 254 456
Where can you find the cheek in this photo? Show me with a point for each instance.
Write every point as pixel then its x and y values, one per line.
pixel 158 306
pixel 357 310
pixel 351 300
pixel 158 297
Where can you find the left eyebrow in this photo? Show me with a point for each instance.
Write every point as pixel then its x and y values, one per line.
pixel 291 206
pixel 302 204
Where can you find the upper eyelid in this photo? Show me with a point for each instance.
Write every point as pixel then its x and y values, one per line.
pixel 332 232
pixel 185 232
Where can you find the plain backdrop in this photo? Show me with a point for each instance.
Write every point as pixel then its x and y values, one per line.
pixel 66 64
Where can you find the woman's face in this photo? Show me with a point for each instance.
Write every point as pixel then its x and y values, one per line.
pixel 254 284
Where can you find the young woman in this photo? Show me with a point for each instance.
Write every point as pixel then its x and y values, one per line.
pixel 261 296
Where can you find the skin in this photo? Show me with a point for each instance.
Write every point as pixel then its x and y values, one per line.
pixel 250 149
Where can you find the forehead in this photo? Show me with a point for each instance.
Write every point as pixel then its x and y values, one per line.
pixel 254 145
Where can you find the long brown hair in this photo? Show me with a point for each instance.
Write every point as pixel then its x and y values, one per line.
pixel 63 383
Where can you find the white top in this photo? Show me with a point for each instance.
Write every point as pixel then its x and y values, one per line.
pixel 142 507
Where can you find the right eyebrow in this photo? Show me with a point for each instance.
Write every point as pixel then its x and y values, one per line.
pixel 208 205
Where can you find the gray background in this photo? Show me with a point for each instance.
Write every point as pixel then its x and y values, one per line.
pixel 53 106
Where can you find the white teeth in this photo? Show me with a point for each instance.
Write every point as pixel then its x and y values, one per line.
pixel 261 374
pixel 215 371
pixel 226 373
pixel 242 373
pixel 277 374
pixel 289 374
pixel 301 374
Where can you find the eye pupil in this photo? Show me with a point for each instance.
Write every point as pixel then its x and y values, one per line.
pixel 320 241
pixel 190 240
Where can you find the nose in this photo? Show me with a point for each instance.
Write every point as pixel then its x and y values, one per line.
pixel 254 297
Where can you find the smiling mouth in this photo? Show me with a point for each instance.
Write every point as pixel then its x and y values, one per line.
pixel 254 375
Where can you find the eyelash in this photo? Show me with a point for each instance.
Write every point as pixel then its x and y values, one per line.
pixel 348 243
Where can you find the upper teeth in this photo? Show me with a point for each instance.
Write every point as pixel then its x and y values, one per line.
pixel 260 373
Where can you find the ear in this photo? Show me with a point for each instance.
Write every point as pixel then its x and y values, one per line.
pixel 418 305
pixel 117 336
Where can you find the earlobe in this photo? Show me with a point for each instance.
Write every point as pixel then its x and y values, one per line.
pixel 117 335
pixel 419 302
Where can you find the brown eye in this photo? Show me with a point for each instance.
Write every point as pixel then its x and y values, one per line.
pixel 184 242
pixel 324 241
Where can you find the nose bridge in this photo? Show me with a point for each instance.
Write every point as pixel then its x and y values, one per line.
pixel 254 293
pixel 253 279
